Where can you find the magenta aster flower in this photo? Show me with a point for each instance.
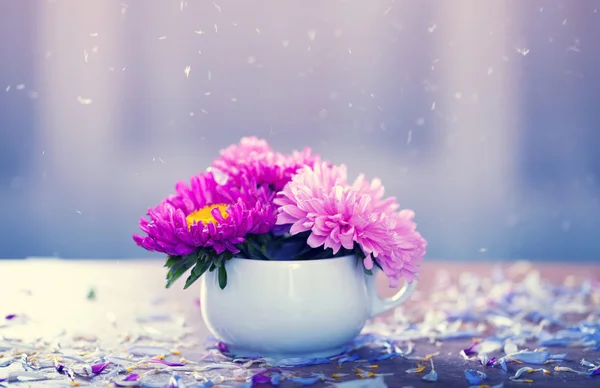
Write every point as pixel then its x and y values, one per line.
pixel 206 214
pixel 254 158
pixel 338 215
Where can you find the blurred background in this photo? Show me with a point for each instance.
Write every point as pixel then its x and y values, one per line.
pixel 481 116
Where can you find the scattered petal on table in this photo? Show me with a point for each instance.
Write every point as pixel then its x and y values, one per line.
pixel 176 382
pixel 537 358
pixel 377 382
pixel 305 380
pixel 567 369
pixel 474 377
pixel 525 369
pixel 141 350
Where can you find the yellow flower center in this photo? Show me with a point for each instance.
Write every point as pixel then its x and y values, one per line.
pixel 205 216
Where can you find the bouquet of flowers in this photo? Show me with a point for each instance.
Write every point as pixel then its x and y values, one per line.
pixel 256 203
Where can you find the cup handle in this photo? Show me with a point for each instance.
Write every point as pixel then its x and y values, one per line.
pixel 380 305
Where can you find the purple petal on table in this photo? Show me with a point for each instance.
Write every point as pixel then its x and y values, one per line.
pixel 531 357
pixel 10 316
pixel 260 378
pixel 99 368
pixel 301 361
pixel 305 380
pixel 474 377
pixel 167 363
pixel 222 347
pixel 197 302
pixel 60 368
pixel 491 361
pixel 130 381
pixel 175 382
pixel 595 371
pixel 470 351
pixel 132 377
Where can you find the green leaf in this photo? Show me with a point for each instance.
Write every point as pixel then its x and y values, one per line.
pixel 172 260
pixel 212 267
pixel 358 251
pixel 222 276
pixel 368 271
pixel 180 267
pixel 255 251
pixel 197 271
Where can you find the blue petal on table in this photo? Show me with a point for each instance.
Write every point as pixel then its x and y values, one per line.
pixel 275 379
pixel 377 382
pixel 209 384
pixel 560 356
pixel 5 361
pixel 502 363
pixel 431 376
pixel 175 382
pixel 350 358
pixel 474 377
pixel 300 361
pixel 305 380
pixel 531 357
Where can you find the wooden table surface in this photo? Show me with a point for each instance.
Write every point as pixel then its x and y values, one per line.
pixel 130 302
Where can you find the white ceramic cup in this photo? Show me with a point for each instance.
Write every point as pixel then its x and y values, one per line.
pixel 280 309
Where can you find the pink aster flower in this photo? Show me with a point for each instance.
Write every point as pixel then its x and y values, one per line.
pixel 254 158
pixel 339 215
pixel 376 190
pixel 206 214
pixel 407 248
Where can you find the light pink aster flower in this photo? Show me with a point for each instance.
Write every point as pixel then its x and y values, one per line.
pixel 253 158
pixel 339 215
pixel 376 190
pixel 407 249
